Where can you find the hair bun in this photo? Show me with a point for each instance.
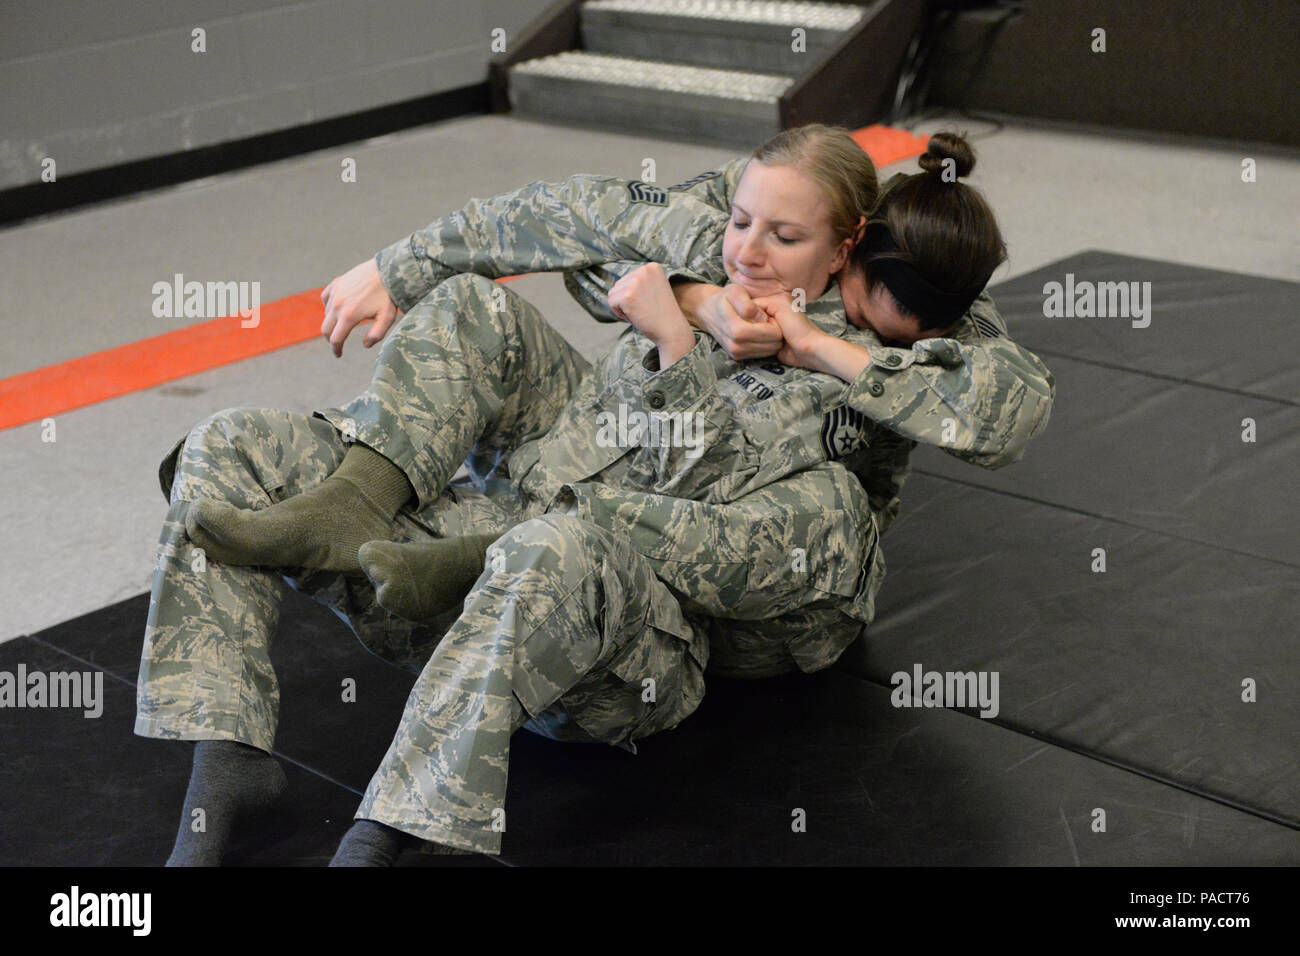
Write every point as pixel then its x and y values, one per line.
pixel 948 145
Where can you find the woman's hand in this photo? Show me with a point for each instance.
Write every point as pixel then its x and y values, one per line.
pixel 802 341
pixel 356 296
pixel 644 297
pixel 733 319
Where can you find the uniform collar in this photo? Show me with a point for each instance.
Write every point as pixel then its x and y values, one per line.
pixel 827 311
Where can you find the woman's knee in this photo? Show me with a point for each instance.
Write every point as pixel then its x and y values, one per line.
pixel 466 309
pixel 468 282
pixel 221 436
pixel 462 292
pixel 241 454
pixel 562 540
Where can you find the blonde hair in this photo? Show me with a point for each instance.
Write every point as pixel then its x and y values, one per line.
pixel 831 158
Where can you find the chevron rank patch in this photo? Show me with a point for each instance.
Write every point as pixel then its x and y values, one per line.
pixel 986 326
pixel 842 431
pixel 692 181
pixel 646 193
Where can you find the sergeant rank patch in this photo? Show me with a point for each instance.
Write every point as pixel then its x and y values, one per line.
pixel 646 193
pixel 842 431
pixel 692 181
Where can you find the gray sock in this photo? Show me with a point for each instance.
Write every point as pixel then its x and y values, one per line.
pixel 230 781
pixel 370 843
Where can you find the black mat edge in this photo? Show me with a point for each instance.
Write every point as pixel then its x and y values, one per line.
pixel 1110 253
pixel 1047 738
pixel 1001 288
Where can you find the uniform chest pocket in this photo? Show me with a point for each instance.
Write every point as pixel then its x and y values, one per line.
pixel 797 429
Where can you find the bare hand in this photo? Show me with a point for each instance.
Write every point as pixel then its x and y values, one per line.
pixel 799 335
pixel 739 325
pixel 644 297
pixel 357 296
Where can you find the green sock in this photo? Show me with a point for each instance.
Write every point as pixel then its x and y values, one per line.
pixel 321 528
pixel 420 580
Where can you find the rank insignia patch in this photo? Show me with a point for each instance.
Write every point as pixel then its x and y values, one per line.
pixel 842 432
pixel 691 182
pixel 646 193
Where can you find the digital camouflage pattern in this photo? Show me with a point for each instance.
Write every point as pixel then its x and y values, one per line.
pixel 474 373
pixel 794 548
pixel 993 395
pixel 756 543
pixel 573 615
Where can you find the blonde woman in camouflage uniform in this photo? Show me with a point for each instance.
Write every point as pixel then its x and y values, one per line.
pixel 611 567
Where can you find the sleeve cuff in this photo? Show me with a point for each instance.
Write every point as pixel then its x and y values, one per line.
pixel 942 351
pixel 681 385
pixel 407 276
pixel 676 275
pixel 873 383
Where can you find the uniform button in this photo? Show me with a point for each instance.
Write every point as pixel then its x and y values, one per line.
pixel 892 359
pixel 656 399
pixel 877 389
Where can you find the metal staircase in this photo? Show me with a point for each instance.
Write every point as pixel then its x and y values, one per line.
pixel 724 71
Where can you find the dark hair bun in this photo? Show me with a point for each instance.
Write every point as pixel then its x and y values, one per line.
pixel 947 145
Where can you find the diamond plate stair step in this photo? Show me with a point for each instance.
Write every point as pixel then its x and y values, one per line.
pixel 620 93
pixel 724 34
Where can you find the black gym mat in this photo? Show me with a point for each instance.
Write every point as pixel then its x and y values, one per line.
pixel 1222 330
pixel 1120 692
pixel 876 784
pixel 1148 422
pixel 1144 664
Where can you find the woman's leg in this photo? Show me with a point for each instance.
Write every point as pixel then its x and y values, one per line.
pixel 790 576
pixel 796 564
pixel 205 673
pixel 571 615
pixel 786 575
pixel 469 374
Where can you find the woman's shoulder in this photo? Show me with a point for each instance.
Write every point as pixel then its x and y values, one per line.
pixel 715 186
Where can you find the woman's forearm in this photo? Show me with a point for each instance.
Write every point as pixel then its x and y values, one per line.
pixel 676 346
pixel 834 356
pixel 691 297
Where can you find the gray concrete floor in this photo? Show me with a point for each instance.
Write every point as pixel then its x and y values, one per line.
pixel 82 514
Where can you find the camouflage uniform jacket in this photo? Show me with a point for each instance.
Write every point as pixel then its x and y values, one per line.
pixel 976 395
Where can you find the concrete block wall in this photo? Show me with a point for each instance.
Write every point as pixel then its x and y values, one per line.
pixel 1212 68
pixel 95 83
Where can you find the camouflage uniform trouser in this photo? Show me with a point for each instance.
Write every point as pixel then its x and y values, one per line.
pixel 566 630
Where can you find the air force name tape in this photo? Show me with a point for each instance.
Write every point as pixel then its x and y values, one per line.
pixel 646 193
pixel 842 431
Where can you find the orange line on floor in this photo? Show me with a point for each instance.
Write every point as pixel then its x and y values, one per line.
pixel 42 392
pixel 61 387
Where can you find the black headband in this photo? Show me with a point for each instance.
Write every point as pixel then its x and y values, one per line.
pixel 912 290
